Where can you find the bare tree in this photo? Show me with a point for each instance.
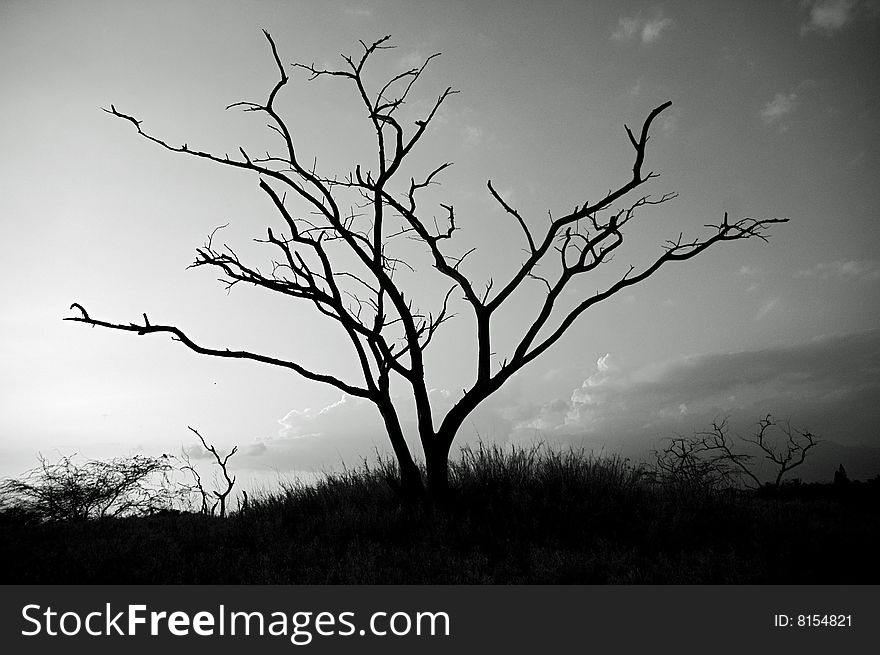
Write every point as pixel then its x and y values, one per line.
pixel 196 486
pixel 710 458
pixel 340 258
pixel 790 454
pixel 222 462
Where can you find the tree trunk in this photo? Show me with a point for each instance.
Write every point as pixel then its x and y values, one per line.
pixel 410 488
pixel 437 464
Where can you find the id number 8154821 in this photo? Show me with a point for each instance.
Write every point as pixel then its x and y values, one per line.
pixel 812 620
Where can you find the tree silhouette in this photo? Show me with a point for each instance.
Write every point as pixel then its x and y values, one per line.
pixel 70 491
pixel 339 258
pixel 198 488
pixel 709 457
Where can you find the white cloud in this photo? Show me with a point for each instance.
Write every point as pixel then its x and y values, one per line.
pixel 769 305
pixel 652 29
pixel 648 30
pixel 197 451
pixel 779 107
pixel 862 269
pixel 414 59
pixel 830 384
pixel 753 276
pixel 626 28
pixel 339 417
pixel 472 135
pixel 669 123
pixel 255 450
pixel 827 16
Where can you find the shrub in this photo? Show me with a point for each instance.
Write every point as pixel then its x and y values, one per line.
pixel 67 491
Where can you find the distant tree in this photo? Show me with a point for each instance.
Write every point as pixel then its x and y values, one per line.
pixel 198 488
pixel 69 491
pixel 335 251
pixel 711 458
pixel 841 479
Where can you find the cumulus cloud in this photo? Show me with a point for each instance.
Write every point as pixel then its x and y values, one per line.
pixel 826 16
pixel 338 418
pixel 343 432
pixel 648 30
pixel 779 107
pixel 829 384
pixel 862 269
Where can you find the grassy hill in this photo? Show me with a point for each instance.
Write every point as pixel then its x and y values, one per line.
pixel 524 516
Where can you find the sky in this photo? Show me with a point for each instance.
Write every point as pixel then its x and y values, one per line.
pixel 775 112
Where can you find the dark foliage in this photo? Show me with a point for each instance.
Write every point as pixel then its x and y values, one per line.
pixel 513 516
pixel 710 458
pixel 70 491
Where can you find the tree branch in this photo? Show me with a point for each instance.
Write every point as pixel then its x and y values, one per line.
pixel 178 335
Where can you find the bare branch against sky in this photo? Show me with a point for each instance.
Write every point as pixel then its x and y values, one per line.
pixel 389 333
pixel 774 114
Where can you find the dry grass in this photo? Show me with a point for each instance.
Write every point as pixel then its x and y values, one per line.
pixel 515 516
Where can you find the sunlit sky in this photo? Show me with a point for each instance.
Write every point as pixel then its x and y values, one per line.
pixel 775 113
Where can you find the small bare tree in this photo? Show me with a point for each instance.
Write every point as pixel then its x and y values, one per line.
pixel 221 462
pixel 709 457
pixel 337 252
pixel 196 486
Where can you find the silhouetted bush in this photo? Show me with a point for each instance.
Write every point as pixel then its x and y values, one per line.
pixel 68 491
pixel 515 515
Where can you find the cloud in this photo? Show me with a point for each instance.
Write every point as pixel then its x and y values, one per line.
pixel 343 432
pixel 766 308
pixel 829 384
pixel 357 12
pixel 197 451
pixel 472 135
pixel 669 123
pixel 411 60
pixel 863 269
pixel 652 29
pixel 753 275
pixel 649 30
pixel 338 418
pixel 827 16
pixel 255 450
pixel 778 108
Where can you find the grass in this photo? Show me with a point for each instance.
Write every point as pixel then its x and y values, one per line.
pixel 531 516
